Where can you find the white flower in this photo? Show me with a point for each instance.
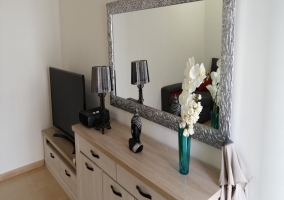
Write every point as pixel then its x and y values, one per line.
pixel 190 109
pixel 218 98
pixel 190 126
pixel 191 131
pixel 202 70
pixel 199 97
pixel 196 116
pixel 191 102
pixel 187 85
pixel 194 72
pixel 214 87
pixel 190 63
pixel 184 97
pixel 185 133
pixel 215 76
pixel 199 107
pixel 197 74
pixel 218 63
pixel 182 125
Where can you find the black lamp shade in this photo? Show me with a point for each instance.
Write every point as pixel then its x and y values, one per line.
pixel 139 72
pixel 101 79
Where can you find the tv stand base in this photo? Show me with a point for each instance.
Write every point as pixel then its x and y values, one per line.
pixel 61 135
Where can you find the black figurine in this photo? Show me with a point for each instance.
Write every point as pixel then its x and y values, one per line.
pixel 175 107
pixel 135 144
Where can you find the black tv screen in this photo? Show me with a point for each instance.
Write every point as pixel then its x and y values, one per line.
pixel 67 98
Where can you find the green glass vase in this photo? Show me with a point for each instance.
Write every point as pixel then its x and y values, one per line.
pixel 214 119
pixel 184 151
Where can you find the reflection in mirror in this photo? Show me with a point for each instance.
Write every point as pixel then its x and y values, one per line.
pixel 139 77
pixel 166 37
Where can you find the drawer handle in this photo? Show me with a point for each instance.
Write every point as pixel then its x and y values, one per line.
pixel 67 174
pixel 95 155
pixel 89 168
pixel 51 155
pixel 114 192
pixel 148 196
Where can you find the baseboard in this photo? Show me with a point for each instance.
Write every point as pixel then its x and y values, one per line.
pixel 21 170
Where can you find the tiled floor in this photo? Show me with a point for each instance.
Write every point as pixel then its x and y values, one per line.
pixel 37 184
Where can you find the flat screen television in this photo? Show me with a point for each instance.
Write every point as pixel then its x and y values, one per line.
pixel 67 98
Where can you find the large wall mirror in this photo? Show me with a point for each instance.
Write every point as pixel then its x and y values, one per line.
pixel 166 34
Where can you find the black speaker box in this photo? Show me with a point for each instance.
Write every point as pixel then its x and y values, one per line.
pixel 90 118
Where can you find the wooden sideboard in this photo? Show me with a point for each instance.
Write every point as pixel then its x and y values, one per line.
pixel 107 169
pixel 59 159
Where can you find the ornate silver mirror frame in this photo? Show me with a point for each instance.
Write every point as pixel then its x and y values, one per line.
pixel 203 133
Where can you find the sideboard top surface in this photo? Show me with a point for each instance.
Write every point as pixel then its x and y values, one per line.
pixel 157 165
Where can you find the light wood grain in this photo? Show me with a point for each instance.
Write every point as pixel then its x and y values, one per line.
pixel 216 196
pixel 102 161
pixel 59 157
pixel 21 170
pixel 63 146
pixel 108 193
pixel 91 181
pixel 129 182
pixel 52 158
pixel 156 166
pixel 71 180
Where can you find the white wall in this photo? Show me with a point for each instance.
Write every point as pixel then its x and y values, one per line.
pixel 213 31
pixel 258 95
pixel 83 35
pixel 29 44
pixel 273 137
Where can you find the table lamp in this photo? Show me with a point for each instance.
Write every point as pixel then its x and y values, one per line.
pixel 139 76
pixel 101 84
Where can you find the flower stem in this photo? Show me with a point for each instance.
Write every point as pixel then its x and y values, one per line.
pixel 215 100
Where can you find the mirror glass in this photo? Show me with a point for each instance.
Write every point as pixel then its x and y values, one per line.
pixel 166 37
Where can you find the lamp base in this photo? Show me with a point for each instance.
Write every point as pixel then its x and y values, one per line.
pixel 140 88
pixel 103 126
pixel 104 116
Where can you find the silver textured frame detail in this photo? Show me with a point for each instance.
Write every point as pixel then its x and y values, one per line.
pixel 202 133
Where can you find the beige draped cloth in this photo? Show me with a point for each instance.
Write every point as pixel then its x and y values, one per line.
pixel 234 176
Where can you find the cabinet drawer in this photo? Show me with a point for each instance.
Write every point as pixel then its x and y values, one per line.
pixel 68 177
pixel 91 180
pixel 137 188
pixel 113 191
pixel 52 158
pixel 104 162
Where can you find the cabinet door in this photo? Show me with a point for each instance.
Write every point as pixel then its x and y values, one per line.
pixel 52 158
pixel 113 191
pixel 91 180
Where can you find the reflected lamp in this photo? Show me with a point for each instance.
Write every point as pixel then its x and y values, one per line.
pixel 139 76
